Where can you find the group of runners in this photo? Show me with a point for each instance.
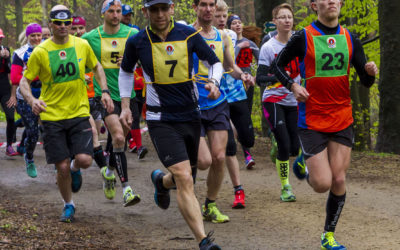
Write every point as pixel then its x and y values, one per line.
pixel 198 84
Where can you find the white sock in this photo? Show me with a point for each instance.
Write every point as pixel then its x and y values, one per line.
pixel 109 172
pixel 73 169
pixel 69 203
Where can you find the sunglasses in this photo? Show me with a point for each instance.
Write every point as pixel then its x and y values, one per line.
pixel 163 8
pixel 59 22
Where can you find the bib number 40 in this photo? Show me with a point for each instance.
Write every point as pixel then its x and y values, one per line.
pixel 66 70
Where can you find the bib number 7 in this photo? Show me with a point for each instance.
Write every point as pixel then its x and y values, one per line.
pixel 173 64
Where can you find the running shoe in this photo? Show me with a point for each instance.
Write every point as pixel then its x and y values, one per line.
pixel 213 214
pixel 208 243
pixel 130 198
pixel 68 214
pixel 10 151
pixel 76 182
pixel 108 184
pixel 239 199
pixel 274 149
pixel 299 167
pixel 287 194
pixel 328 242
pixel 21 149
pixel 132 146
pixel 30 167
pixel 249 162
pixel 161 194
pixel 141 152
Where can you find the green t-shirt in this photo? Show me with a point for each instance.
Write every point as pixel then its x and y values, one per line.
pixel 108 48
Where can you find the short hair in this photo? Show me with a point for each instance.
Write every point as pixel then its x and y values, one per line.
pixel 196 2
pixel 222 6
pixel 276 10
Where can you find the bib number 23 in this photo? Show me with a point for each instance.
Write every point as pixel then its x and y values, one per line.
pixel 330 64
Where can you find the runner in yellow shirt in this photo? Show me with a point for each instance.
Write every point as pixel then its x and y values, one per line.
pixel 63 103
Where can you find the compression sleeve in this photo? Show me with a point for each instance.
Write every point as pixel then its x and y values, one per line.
pixel 359 60
pixel 125 83
pixel 215 71
pixel 16 74
pixel 263 75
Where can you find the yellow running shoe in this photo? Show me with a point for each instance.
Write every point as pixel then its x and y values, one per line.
pixel 328 242
pixel 108 184
pixel 213 214
pixel 130 198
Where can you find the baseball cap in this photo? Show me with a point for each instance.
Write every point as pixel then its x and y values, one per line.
pixel 126 9
pixel 148 3
pixel 1 34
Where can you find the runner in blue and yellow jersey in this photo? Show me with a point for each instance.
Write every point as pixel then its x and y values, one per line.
pixel 214 113
pixel 165 49
pixel 239 114
pixel 325 50
pixel 108 43
pixel 63 103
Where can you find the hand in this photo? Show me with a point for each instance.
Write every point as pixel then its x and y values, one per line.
pixel 119 61
pixel 38 106
pixel 126 118
pixel 247 79
pixel 88 79
pixel 4 53
pixel 371 68
pixel 214 91
pixel 244 44
pixel 12 102
pixel 299 92
pixel 107 102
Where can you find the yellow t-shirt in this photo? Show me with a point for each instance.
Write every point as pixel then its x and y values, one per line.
pixel 61 68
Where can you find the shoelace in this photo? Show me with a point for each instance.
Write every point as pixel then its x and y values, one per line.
pixel 331 240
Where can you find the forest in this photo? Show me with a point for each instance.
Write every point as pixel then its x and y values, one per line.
pixel 375 110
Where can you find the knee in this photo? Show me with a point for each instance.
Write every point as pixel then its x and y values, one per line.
pixel 339 181
pixel 118 140
pixel 83 160
pixel 321 187
pixel 183 179
pixel 218 158
pixel 63 170
pixel 204 163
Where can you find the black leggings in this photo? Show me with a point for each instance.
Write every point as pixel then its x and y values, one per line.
pixel 240 117
pixel 9 112
pixel 283 122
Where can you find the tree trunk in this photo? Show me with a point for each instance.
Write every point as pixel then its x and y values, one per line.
pixel 389 85
pixel 44 9
pixel 18 15
pixel 264 11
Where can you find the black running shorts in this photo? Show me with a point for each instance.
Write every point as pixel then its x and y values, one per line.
pixel 313 142
pixel 175 141
pixel 216 118
pixel 67 138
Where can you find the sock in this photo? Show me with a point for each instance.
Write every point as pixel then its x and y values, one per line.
pixel 334 207
pixel 203 241
pixel 109 172
pixel 124 187
pixel 246 152
pixel 282 167
pixel 99 157
pixel 137 136
pixel 69 203
pixel 237 188
pixel 160 185
pixel 208 202
pixel 72 166
pixel 121 164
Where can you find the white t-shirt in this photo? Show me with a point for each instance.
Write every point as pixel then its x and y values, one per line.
pixel 276 93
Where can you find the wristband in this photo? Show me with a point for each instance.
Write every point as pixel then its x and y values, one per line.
pixel 106 91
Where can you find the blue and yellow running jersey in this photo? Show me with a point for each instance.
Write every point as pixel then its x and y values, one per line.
pixel 201 72
pixel 167 70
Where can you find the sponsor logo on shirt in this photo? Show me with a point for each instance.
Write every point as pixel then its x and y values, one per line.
pixel 114 44
pixel 169 49
pixel 63 55
pixel 331 42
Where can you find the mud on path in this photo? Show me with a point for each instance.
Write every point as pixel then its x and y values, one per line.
pixel 30 208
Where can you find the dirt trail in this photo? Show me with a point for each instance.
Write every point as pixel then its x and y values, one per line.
pixel 370 219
